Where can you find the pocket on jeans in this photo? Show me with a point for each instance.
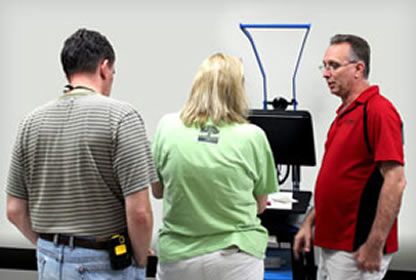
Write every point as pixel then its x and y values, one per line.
pixel 41 261
pixel 101 271
pixel 137 273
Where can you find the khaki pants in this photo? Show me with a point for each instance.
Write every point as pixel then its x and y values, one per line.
pixel 227 264
pixel 334 265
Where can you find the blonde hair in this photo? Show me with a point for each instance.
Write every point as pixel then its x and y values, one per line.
pixel 217 93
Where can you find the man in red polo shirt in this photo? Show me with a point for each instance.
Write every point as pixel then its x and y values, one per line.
pixel 361 181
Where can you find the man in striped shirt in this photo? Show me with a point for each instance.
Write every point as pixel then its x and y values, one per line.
pixel 80 172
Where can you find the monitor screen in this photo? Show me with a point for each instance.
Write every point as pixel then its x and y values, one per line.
pixel 290 135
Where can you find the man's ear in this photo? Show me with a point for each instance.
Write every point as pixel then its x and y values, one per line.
pixel 105 69
pixel 360 66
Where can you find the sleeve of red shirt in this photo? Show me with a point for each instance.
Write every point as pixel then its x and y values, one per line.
pixel 385 130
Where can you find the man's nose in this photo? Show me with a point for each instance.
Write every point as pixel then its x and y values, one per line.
pixel 326 73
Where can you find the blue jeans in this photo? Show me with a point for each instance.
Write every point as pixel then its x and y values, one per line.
pixel 59 262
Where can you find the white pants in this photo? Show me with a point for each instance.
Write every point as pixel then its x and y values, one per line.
pixel 335 265
pixel 227 264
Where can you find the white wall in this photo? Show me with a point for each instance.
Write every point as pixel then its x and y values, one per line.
pixel 160 44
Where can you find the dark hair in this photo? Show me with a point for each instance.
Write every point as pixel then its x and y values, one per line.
pixel 84 50
pixel 359 47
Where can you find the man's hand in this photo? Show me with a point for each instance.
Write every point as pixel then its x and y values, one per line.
pixel 369 257
pixel 139 224
pixel 303 240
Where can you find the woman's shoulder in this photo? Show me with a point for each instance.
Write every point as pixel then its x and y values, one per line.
pixel 249 130
pixel 170 121
pixel 170 118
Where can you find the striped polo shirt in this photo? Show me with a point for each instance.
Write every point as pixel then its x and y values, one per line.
pixel 75 159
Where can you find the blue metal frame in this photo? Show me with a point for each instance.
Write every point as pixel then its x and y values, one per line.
pixel 244 28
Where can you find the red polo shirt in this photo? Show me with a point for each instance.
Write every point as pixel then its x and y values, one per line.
pixel 348 184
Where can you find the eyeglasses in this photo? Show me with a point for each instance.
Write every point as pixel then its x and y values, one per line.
pixel 332 66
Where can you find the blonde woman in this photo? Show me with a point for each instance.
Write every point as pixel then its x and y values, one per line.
pixel 215 171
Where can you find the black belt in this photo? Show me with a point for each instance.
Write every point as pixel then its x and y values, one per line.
pixel 74 241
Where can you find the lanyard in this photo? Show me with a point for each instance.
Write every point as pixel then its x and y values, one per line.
pixel 69 88
pixel 85 91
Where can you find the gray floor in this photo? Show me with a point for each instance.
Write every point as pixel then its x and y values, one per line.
pixel 9 274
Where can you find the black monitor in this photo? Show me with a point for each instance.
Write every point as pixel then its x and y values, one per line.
pixel 290 135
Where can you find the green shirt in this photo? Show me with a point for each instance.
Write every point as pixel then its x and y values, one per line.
pixel 211 177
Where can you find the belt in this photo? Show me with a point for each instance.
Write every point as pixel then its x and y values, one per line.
pixel 74 241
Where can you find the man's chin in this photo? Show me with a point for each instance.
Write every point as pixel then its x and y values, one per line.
pixel 335 92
